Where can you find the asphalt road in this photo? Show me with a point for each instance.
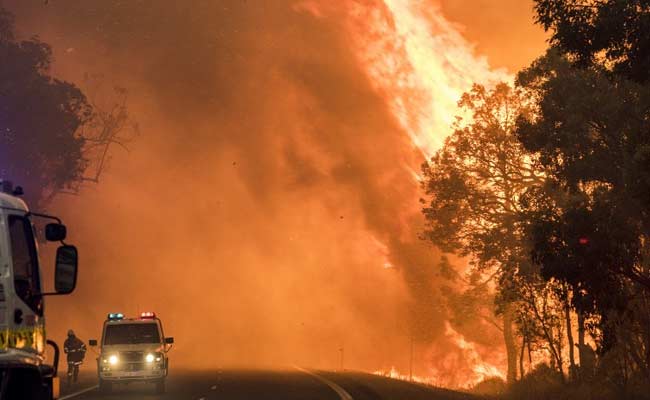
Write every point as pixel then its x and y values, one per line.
pixel 252 384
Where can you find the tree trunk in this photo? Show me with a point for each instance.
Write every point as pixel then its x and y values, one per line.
pixel 581 337
pixel 569 335
pixel 551 348
pixel 530 356
pixel 555 350
pixel 521 357
pixel 511 345
pixel 560 359
pixel 587 355
pixel 646 333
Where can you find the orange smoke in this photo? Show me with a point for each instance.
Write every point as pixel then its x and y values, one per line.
pixel 269 210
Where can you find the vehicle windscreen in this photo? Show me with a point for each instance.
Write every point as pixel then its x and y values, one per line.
pixel 131 334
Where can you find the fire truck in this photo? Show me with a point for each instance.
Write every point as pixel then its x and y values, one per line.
pixel 24 372
pixel 133 350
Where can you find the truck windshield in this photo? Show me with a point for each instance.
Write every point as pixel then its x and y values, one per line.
pixel 131 334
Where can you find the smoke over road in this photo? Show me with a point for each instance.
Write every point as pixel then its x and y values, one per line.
pixel 269 209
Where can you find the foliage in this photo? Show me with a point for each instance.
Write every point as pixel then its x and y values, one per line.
pixel 539 317
pixel 558 201
pixel 39 118
pixel 590 132
pixel 475 180
pixel 474 183
pixel 110 125
pixel 468 298
pixel 51 134
pixel 613 33
pixel 589 222
pixel 543 382
pixel 492 387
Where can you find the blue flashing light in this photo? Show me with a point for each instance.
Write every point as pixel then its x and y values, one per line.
pixel 115 316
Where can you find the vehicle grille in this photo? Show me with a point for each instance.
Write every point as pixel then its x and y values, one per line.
pixel 131 356
pixel 131 367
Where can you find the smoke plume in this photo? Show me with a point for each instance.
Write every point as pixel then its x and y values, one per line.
pixel 268 211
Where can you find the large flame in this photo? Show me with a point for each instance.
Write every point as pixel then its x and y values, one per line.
pixel 468 365
pixel 422 64
pixel 480 369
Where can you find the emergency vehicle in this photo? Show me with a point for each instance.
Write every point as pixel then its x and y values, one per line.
pixel 133 350
pixel 24 373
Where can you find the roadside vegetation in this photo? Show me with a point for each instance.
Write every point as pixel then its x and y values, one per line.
pixel 53 136
pixel 546 190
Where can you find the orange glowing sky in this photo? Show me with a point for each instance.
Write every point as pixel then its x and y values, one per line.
pixel 503 30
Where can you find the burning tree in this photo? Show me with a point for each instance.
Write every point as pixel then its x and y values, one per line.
pixel 474 184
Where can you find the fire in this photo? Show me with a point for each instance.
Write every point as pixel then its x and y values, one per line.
pixel 422 65
pixel 481 369
pixel 393 373
pixel 467 363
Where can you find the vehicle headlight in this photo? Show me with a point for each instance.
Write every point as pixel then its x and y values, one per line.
pixel 149 358
pixel 112 359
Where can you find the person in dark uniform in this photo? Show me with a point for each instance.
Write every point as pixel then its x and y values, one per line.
pixel 76 351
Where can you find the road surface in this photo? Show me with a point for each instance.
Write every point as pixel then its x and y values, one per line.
pixel 293 384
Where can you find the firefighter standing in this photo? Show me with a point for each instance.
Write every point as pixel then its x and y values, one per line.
pixel 76 350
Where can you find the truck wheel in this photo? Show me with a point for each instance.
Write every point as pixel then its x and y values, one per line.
pixel 105 387
pixel 26 385
pixel 52 390
pixel 160 387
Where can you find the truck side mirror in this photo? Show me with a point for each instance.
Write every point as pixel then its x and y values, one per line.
pixel 92 342
pixel 65 272
pixel 55 232
pixel 169 340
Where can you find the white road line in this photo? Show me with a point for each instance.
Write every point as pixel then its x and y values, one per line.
pixel 79 393
pixel 339 390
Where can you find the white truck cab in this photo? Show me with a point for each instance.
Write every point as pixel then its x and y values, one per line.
pixel 133 350
pixel 24 373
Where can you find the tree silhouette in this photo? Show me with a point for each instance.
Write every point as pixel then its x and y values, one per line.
pixel 474 182
pixel 50 134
